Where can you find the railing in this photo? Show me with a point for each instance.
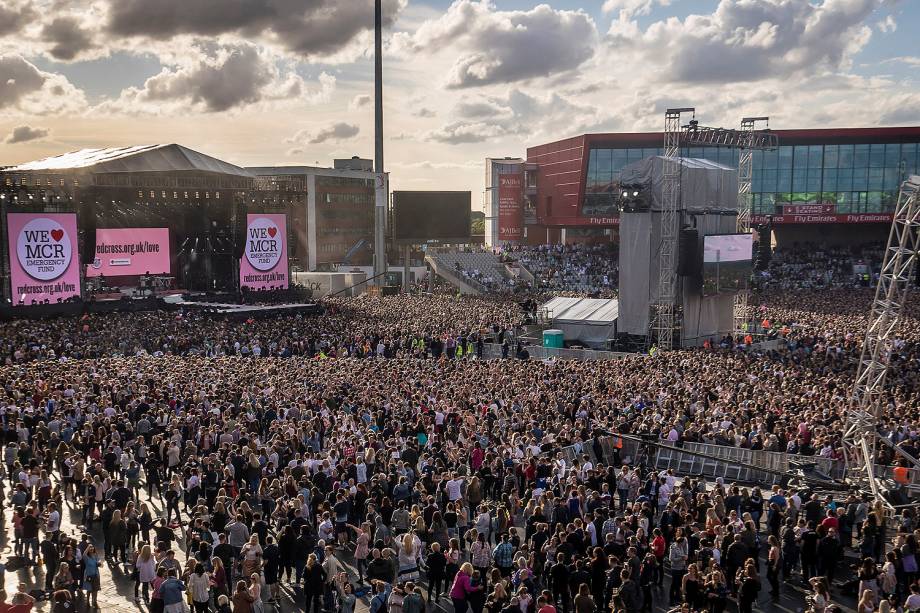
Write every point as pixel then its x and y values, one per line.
pixel 459 280
pixel 725 462
pixel 494 351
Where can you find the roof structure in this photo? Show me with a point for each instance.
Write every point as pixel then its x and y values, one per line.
pixel 142 158
pixel 589 320
pixel 601 311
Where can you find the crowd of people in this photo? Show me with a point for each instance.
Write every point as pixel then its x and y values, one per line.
pixel 579 269
pixel 368 457
pixel 821 266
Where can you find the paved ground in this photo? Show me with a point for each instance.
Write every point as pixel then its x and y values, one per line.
pixel 117 593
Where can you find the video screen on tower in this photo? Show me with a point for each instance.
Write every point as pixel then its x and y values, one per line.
pixel 422 217
pixel 727 263
pixel 44 263
pixel 130 252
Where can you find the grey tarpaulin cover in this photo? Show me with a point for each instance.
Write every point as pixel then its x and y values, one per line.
pixel 704 184
pixel 589 320
pixel 709 201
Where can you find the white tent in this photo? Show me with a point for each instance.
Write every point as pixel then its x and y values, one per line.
pixel 591 321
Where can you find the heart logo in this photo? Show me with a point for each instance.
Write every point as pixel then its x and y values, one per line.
pixel 272 232
pixel 57 235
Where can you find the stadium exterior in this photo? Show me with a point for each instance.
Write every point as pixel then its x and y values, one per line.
pixel 836 185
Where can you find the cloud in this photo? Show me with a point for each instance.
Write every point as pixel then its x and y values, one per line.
pixel 462 132
pixel 313 28
pixel 747 40
pixel 910 60
pixel 14 16
pixel 360 101
pixel 900 109
pixel 21 134
pixel 18 78
pixel 26 89
pixel 888 24
pixel 493 46
pixel 221 78
pixel 628 8
pixel 334 133
pixel 68 39
pixel 424 113
pixel 519 114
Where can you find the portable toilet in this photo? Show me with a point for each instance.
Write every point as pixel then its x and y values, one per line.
pixel 554 339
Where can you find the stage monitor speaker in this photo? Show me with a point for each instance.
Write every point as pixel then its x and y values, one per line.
pixel 764 252
pixel 239 228
pixel 688 264
pixel 87 221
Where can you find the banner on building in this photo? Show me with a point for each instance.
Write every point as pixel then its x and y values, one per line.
pixel 264 264
pixel 840 218
pixel 510 207
pixel 44 261
pixel 808 209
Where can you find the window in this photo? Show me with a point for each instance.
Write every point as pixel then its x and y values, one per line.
pixel 877 156
pixel 845 156
pixel 153 194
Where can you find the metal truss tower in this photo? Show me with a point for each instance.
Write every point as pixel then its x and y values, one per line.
pixel 740 316
pixel 663 317
pixel 861 438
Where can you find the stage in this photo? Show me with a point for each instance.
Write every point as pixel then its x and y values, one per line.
pixel 243 310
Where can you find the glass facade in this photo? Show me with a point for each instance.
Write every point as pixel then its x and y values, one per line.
pixel 860 178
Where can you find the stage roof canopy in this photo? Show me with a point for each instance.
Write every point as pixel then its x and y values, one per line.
pixel 138 159
pixel 590 320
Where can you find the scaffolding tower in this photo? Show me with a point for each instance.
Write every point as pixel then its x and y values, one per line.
pixel 664 319
pixel 746 146
pixel 861 438
pixel 664 313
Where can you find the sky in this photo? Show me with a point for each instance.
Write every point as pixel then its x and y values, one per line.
pixel 287 82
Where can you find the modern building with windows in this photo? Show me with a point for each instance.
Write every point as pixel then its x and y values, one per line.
pixel 823 184
pixel 335 221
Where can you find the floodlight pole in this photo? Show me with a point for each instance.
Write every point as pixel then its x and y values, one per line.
pixel 381 187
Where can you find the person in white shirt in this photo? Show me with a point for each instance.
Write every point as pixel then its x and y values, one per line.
pixel 454 485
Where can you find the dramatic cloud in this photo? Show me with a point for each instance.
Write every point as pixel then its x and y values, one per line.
pixel 519 114
pixel 494 46
pixel 223 78
pixel 18 78
pixel 21 134
pixel 67 38
pixel 360 101
pixel 748 40
pixel 334 133
pixel 311 28
pixel 15 15
pixel 25 90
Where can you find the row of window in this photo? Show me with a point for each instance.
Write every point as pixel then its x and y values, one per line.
pixel 857 178
pixel 185 195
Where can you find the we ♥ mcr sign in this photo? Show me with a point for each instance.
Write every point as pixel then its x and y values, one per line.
pixel 264 264
pixel 44 264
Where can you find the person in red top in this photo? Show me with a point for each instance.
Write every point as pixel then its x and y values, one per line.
pixel 545 606
pixel 658 547
pixel 830 521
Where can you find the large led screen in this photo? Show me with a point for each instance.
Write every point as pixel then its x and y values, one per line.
pixel 44 263
pixel 727 263
pixel 264 264
pixel 130 251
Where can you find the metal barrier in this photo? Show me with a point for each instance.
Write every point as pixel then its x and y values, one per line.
pixel 537 352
